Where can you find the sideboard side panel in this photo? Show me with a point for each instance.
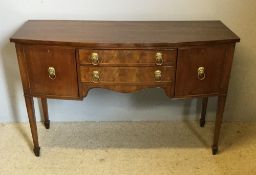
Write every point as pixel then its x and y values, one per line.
pixel 227 65
pixel 23 68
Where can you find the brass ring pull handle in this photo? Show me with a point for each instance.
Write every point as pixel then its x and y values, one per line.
pixel 51 73
pixel 159 58
pixel 95 76
pixel 201 73
pixel 95 58
pixel 158 75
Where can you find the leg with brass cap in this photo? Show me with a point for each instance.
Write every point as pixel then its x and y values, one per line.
pixel 32 121
pixel 37 151
pixel 215 150
pixel 218 122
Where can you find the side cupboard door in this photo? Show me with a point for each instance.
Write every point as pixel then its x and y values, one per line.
pixel 51 71
pixel 203 70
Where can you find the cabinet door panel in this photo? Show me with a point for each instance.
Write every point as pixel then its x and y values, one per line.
pixel 189 81
pixel 40 58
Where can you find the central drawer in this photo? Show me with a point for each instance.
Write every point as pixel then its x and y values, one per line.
pixel 127 57
pixel 127 75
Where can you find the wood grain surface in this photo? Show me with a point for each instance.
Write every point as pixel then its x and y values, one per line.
pixel 128 57
pixel 123 33
pixel 39 59
pixel 128 75
pixel 212 58
pixel 125 61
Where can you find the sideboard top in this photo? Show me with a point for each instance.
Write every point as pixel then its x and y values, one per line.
pixel 123 33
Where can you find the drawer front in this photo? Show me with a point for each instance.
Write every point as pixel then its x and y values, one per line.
pixel 52 71
pixel 199 70
pixel 127 57
pixel 127 75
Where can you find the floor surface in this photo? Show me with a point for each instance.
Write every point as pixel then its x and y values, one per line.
pixel 128 148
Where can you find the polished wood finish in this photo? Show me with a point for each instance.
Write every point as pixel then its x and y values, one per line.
pixel 32 121
pixel 124 33
pixel 28 100
pixel 128 57
pixel 168 88
pixel 128 75
pixel 218 121
pixel 39 59
pixel 226 68
pixel 189 60
pixel 45 112
pixel 23 68
pixel 115 78
pixel 203 111
pixel 55 61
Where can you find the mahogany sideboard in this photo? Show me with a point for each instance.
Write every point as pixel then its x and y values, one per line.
pixel 64 59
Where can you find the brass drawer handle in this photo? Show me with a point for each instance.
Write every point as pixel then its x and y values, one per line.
pixel 201 73
pixel 95 76
pixel 158 75
pixel 159 58
pixel 95 58
pixel 51 73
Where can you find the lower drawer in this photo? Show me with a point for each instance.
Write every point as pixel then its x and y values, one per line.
pixel 127 75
